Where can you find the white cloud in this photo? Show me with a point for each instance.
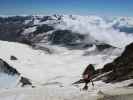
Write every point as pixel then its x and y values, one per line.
pixel 96 27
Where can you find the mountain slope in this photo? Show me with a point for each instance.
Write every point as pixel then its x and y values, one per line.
pixel 121 67
pixel 68 43
pixel 38 29
pixel 42 68
pixel 59 49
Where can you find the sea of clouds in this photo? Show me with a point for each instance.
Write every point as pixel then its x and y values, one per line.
pixel 98 28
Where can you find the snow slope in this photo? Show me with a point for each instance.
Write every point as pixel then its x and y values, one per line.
pixel 62 66
pixel 100 92
pixel 57 71
pixel 50 73
pixel 53 74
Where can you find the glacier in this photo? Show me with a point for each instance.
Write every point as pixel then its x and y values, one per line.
pixel 53 73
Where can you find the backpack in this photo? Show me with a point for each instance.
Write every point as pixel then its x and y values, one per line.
pixel 90 70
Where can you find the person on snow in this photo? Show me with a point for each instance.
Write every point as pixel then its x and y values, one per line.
pixel 87 75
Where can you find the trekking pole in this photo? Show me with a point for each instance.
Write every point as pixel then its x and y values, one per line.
pixel 92 82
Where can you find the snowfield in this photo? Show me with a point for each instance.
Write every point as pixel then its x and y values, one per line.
pixel 53 74
pixel 64 66
pixel 107 92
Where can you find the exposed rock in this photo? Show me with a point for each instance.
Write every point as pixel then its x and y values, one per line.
pixel 45 18
pixel 25 40
pixel 6 68
pixel 103 46
pixel 25 81
pixel 121 67
pixel 131 85
pixel 13 58
pixel 11 27
pixel 43 28
pixel 65 37
pixel 87 46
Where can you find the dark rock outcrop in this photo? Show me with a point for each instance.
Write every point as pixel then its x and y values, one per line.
pixel 25 81
pixel 130 85
pixel 25 40
pixel 11 27
pixel 6 68
pixel 13 58
pixel 43 28
pixel 65 37
pixel 121 67
pixel 103 46
pixel 45 18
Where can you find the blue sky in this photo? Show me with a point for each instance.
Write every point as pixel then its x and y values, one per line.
pixel 82 7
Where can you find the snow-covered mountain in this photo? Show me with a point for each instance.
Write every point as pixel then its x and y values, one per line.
pixel 58 48
pixel 79 29
pixel 63 34
pixel 55 73
pixel 62 67
pixel 89 28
